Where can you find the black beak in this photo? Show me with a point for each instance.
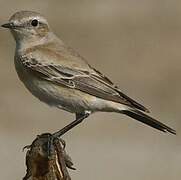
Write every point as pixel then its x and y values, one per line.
pixel 8 25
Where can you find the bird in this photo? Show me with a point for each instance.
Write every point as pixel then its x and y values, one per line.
pixel 59 76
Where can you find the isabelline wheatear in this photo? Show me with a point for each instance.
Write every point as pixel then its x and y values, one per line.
pixel 60 77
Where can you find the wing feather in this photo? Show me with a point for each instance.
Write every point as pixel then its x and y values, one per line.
pixel 93 83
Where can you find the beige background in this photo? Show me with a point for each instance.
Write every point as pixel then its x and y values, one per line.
pixel 137 43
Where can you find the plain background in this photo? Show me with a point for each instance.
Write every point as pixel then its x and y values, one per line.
pixel 138 45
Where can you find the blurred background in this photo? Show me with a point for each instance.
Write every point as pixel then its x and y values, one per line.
pixel 138 45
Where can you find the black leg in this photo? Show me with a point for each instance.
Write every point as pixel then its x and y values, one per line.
pixel 79 118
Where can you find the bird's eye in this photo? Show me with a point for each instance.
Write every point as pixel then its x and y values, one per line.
pixel 34 22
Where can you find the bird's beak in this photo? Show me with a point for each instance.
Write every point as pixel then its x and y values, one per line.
pixel 9 25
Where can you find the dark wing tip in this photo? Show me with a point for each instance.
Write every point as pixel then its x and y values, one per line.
pixel 132 102
pixel 145 109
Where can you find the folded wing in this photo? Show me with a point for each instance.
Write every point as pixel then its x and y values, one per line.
pixel 93 82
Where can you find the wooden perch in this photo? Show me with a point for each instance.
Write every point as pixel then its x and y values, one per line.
pixel 46 159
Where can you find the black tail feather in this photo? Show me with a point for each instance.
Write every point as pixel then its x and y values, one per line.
pixel 148 120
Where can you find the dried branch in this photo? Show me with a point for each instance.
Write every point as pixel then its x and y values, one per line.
pixel 46 159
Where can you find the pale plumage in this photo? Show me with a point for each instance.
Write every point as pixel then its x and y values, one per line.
pixel 59 76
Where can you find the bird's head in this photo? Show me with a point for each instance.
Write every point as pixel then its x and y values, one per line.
pixel 28 25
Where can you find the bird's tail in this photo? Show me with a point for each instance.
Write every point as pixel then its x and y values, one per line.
pixel 138 115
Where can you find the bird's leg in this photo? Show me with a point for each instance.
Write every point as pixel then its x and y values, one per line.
pixel 79 118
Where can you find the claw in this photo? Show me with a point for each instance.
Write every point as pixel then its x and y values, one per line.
pixel 26 147
pixel 71 167
pixel 63 143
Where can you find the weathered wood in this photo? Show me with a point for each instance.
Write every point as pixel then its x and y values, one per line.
pixel 46 159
